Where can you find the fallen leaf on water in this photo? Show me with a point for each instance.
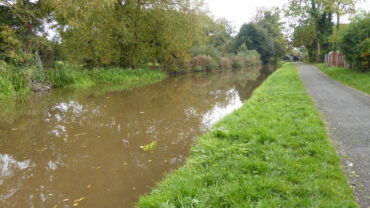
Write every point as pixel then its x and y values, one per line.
pixel 83 146
pixel 150 161
pixel 81 134
pixel 97 168
pixel 75 204
pixel 14 129
pixel 88 186
pixel 134 188
pixel 124 164
pixel 65 200
pixel 78 200
pixel 149 147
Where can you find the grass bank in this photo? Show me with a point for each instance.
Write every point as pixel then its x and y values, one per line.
pixel 15 81
pixel 352 78
pixel 273 152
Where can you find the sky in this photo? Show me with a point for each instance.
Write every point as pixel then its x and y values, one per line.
pixel 241 11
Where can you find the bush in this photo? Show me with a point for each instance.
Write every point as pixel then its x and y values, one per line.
pixel 200 62
pixel 12 81
pixel 238 62
pixel 355 42
pixel 3 66
pixel 63 75
pixel 205 50
pixel 6 87
pixel 212 64
pixel 226 62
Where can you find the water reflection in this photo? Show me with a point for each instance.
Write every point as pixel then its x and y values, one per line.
pixel 85 145
pixel 220 110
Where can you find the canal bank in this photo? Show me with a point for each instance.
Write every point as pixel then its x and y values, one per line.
pixel 272 152
pixel 18 82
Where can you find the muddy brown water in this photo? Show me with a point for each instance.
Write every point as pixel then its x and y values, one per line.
pixel 82 147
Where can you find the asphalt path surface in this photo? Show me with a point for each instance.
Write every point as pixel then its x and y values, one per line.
pixel 346 112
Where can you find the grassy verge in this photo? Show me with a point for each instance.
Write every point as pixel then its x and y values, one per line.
pixel 15 81
pixel 273 152
pixel 87 78
pixel 352 78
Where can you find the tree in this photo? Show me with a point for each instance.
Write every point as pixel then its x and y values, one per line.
pixel 127 33
pixel 343 7
pixel 271 21
pixel 318 15
pixel 256 38
pixel 355 42
pixel 26 18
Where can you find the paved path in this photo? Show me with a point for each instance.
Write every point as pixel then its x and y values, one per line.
pixel 347 112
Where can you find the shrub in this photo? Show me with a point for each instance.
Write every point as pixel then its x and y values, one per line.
pixel 6 87
pixel 226 62
pixel 63 75
pixel 355 42
pixel 212 64
pixel 205 50
pixel 200 61
pixel 3 66
pixel 238 62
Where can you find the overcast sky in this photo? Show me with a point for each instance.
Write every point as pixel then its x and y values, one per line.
pixel 241 11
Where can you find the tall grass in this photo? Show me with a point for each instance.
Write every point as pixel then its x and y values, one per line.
pixel 16 81
pixel 352 78
pixel 273 152
pixel 12 81
pixel 66 75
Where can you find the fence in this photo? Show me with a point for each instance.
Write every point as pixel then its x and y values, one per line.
pixel 335 58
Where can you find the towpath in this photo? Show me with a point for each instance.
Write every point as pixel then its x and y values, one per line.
pixel 347 115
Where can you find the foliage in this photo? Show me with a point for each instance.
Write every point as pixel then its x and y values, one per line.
pixel 286 162
pixel 6 87
pixel 263 35
pixel 226 62
pixel 256 38
pixel 355 79
pixel 200 61
pixel 355 42
pixel 315 24
pixel 271 21
pixel 128 33
pixel 22 30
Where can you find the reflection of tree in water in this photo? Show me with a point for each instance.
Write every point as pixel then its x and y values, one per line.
pixel 71 141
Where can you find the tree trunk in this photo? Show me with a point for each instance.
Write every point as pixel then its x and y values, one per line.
pixel 318 52
pixel 338 20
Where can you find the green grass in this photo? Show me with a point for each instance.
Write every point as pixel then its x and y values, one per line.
pixel 273 152
pixel 14 81
pixel 74 76
pixel 352 78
